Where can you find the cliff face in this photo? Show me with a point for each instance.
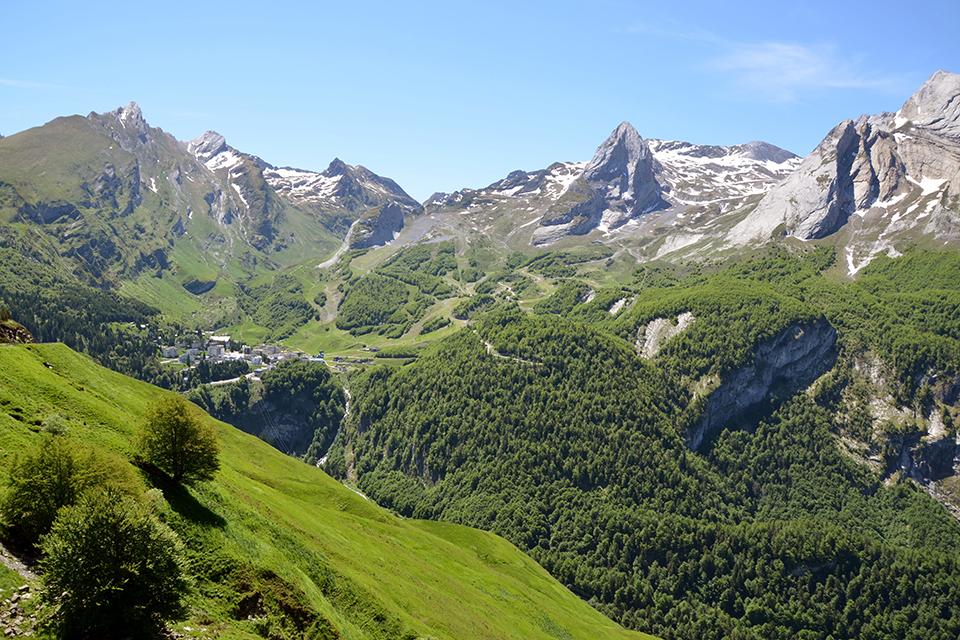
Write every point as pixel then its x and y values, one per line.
pixel 782 365
pixel 928 460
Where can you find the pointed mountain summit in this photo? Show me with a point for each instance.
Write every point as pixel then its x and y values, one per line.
pixel 126 125
pixel 623 171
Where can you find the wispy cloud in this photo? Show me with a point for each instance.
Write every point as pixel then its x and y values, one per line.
pixel 25 84
pixel 774 70
pixel 782 70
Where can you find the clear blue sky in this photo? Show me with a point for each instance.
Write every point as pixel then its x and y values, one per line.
pixel 442 95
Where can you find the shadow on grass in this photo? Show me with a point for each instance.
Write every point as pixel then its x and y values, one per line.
pixel 180 499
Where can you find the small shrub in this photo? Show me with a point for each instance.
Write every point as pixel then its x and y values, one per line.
pixel 111 569
pixel 51 476
pixel 55 424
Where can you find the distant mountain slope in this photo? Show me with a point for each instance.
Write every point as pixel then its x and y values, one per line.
pixel 278 533
pixel 116 198
pixel 627 178
pixel 340 195
pixel 880 179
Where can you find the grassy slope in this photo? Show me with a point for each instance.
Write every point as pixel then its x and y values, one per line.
pixel 437 580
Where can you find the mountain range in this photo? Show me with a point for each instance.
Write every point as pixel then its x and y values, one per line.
pixel 871 183
pixel 115 197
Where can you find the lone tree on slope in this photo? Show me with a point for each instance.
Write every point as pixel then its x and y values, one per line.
pixel 176 441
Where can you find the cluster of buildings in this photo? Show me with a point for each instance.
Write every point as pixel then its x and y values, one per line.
pixel 191 349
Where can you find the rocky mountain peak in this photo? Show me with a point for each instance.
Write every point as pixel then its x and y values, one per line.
pixel 622 149
pixel 622 173
pixel 126 125
pixel 337 167
pixel 207 145
pixel 131 116
pixel 935 106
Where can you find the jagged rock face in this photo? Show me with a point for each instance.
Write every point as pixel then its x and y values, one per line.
pixel 781 366
pixel 897 172
pixel 126 125
pixel 927 460
pixel 207 146
pixel 49 212
pixel 935 108
pixel 855 166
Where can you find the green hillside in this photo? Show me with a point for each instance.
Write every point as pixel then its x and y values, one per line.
pixel 307 545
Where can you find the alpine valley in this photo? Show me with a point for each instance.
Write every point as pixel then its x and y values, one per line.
pixel 678 389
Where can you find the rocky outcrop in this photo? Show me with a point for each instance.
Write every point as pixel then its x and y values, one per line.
pixel 199 287
pixel 931 459
pixel 781 366
pixel 50 212
pixel 656 333
pixel 854 167
pixel 14 333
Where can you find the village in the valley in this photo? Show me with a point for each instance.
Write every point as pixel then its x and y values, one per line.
pixel 190 349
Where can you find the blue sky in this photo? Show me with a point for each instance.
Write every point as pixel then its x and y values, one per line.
pixel 442 95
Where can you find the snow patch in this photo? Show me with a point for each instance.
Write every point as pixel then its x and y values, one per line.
pixel 853 266
pixel 300 185
pixel 559 179
pixel 240 193
pixel 224 160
